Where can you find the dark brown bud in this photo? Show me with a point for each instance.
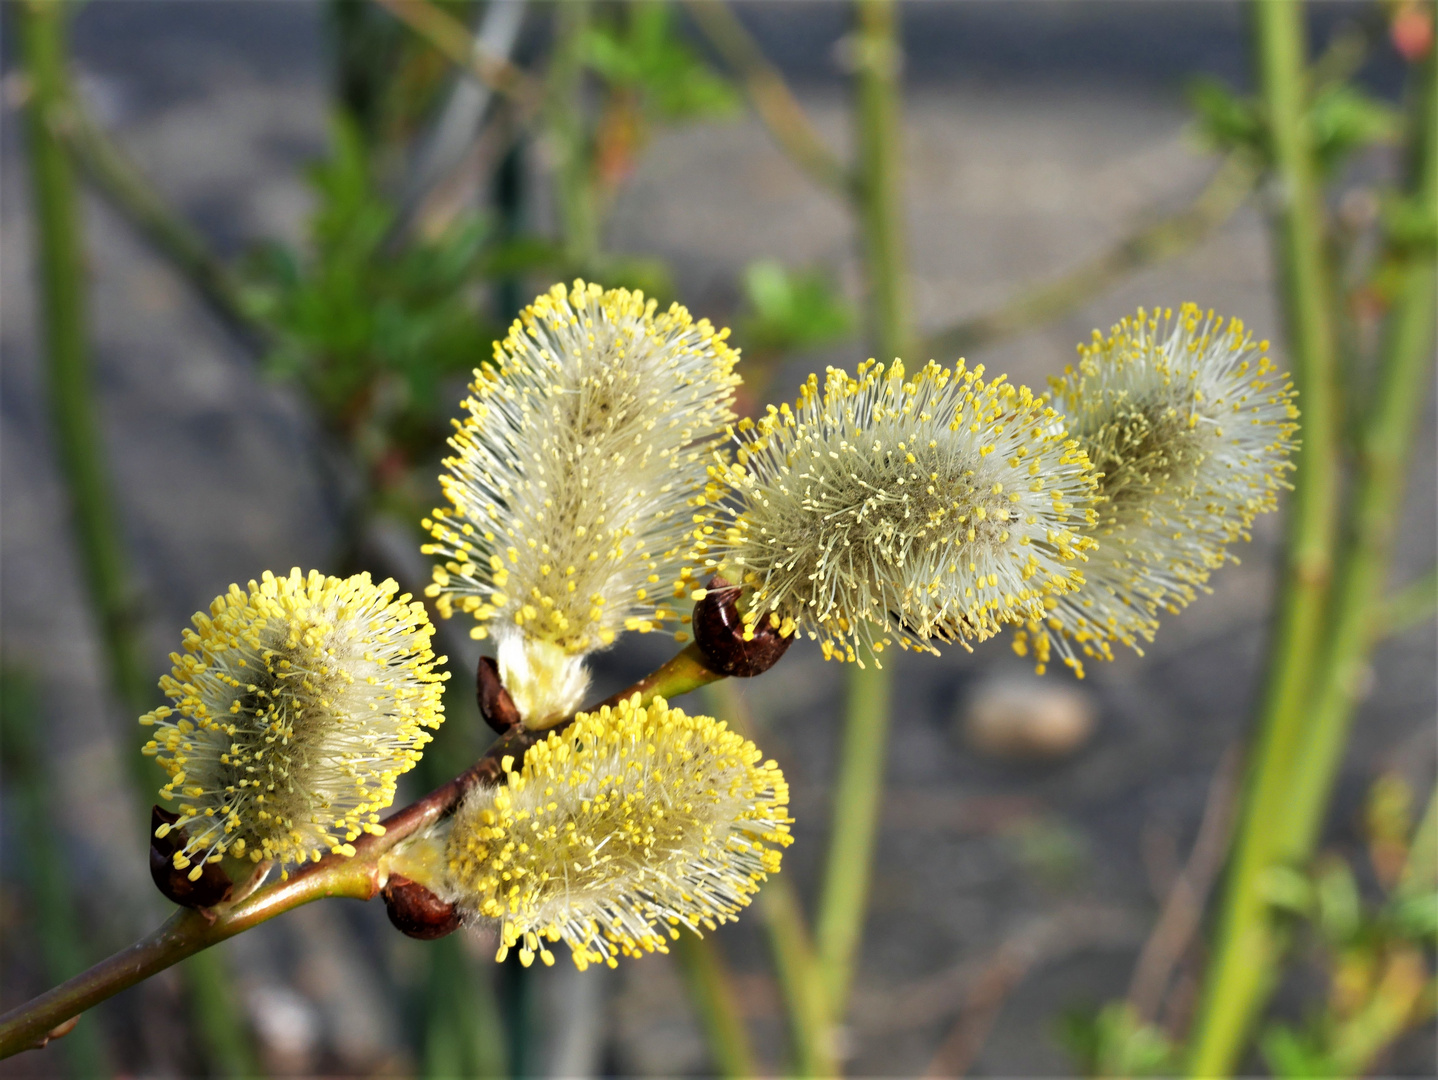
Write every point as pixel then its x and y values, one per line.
pixel 495 704
pixel 719 633
pixel 213 884
pixel 417 912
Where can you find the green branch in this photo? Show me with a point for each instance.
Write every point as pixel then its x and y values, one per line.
pixel 120 182
pixel 1405 368
pixel 1248 946
pixel 858 790
pixel 453 41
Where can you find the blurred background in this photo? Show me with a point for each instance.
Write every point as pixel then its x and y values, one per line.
pixel 301 225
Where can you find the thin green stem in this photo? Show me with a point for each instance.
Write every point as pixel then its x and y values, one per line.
pixel 80 446
pixel 1247 950
pixel 564 112
pixel 858 789
pixel 810 1026
pixel 64 322
pixel 687 671
pixel 1405 367
pixel 880 196
pixel 790 944
pixel 858 794
pixel 454 42
pixel 712 992
pixel 119 181
pixel 49 885
pixel 1411 605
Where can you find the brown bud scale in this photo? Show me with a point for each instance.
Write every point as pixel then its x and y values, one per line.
pixel 719 633
pixel 213 884
pixel 495 704
pixel 416 912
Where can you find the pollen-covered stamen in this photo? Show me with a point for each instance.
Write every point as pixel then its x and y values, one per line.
pixel 927 509
pixel 579 471
pixel 616 830
pixel 1190 426
pixel 297 704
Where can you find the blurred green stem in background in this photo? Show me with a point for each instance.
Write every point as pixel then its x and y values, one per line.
pixel 462 1032
pixel 1411 605
pixel 43 861
pixel 80 450
pixel 810 1028
pixel 1323 642
pixel 1245 962
pixel 564 119
pixel 1405 368
pixel 858 789
pixel 712 992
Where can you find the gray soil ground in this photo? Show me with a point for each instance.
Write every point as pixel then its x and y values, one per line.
pixel 1036 135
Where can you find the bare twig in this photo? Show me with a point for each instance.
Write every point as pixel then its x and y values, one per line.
pixel 1183 909
pixel 1166 238
pixel 449 36
pixel 775 103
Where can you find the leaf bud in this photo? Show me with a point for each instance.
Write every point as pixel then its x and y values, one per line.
pixel 213 884
pixel 719 632
pixel 415 911
pixel 495 703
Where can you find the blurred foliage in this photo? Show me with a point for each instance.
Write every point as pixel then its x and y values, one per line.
pixel 636 48
pixel 649 76
pixel 369 327
pixel 1053 851
pixel 1345 120
pixel 1114 1042
pixel 1376 952
pixel 385 78
pixel 788 310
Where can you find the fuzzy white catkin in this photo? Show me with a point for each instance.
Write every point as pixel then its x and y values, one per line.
pixel 297 703
pixel 896 508
pixel 574 482
pixel 1190 425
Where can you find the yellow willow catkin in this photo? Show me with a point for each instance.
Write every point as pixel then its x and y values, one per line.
pixel 923 508
pixel 574 483
pixel 615 831
pixel 1190 425
pixel 296 705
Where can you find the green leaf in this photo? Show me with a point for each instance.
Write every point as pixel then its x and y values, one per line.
pixel 639 50
pixel 1113 1042
pixel 1293 1055
pixel 1340 909
pixel 1345 119
pixel 789 310
pixel 1226 121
